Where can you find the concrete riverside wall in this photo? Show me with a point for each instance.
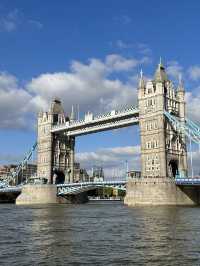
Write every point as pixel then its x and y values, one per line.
pixel 37 194
pixel 159 191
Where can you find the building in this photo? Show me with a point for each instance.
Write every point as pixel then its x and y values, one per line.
pixel 5 170
pixel 80 174
pixel 28 171
pixel 98 174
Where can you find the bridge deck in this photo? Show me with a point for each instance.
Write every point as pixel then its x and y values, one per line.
pixel 74 188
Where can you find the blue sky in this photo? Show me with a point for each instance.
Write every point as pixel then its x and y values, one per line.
pixel 90 53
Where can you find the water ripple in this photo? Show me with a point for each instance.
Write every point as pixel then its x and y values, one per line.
pixel 99 234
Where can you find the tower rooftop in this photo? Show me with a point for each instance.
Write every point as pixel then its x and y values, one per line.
pixel 160 74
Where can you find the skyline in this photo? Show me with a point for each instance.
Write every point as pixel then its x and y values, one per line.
pixel 66 57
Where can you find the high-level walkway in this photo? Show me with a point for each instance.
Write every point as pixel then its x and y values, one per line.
pixel 92 124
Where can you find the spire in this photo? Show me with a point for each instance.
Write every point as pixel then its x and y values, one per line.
pixel 72 116
pixel 180 83
pixel 56 106
pixel 160 74
pixel 160 61
pixel 141 73
pixel 141 80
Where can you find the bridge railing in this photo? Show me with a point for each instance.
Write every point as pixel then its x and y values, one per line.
pixel 92 183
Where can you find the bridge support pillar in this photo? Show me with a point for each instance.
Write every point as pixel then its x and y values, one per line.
pixel 37 194
pixel 159 191
pixel 47 194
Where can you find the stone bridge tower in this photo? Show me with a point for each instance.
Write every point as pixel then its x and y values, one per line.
pixel 55 151
pixel 163 151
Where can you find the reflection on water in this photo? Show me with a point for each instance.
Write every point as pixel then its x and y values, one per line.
pixel 99 234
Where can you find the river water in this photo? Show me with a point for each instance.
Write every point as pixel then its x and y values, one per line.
pixel 99 234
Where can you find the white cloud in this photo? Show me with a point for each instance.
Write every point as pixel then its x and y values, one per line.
pixel 174 69
pixel 113 160
pixel 13 19
pixel 194 72
pixel 192 105
pixel 91 85
pixel 116 62
pixel 37 24
pixel 144 49
pixel 10 21
pixel 122 45
pixel 123 19
pixel 88 85
pixel 13 103
pixel 195 162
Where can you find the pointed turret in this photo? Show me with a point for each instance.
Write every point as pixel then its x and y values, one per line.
pixel 141 85
pixel 180 83
pixel 181 94
pixel 56 106
pixel 141 80
pixel 160 74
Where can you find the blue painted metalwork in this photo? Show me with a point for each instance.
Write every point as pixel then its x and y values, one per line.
pixel 11 189
pixel 76 188
pixel 188 127
pixel 187 181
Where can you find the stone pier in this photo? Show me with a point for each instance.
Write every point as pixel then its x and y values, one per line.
pixel 37 194
pixel 47 194
pixel 159 191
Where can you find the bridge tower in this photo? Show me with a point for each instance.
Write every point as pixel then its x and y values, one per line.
pixel 55 151
pixel 163 151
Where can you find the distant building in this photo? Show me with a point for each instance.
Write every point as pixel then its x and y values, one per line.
pixel 5 171
pixel 28 171
pixel 98 174
pixel 80 174
pixel 134 174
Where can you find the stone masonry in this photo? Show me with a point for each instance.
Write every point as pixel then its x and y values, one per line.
pixel 55 151
pixel 163 151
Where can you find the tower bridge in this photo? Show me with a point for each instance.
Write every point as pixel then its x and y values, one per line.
pixel 163 151
pixel 161 117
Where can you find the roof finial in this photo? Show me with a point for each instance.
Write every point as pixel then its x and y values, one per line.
pixel 160 63
pixel 141 73
pixel 180 82
pixel 141 80
pixel 160 74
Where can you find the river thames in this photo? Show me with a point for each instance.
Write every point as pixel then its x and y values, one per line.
pixel 99 234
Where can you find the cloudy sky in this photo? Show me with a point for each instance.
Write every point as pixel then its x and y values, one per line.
pixel 89 53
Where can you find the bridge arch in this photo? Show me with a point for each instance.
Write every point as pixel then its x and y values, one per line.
pixel 173 166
